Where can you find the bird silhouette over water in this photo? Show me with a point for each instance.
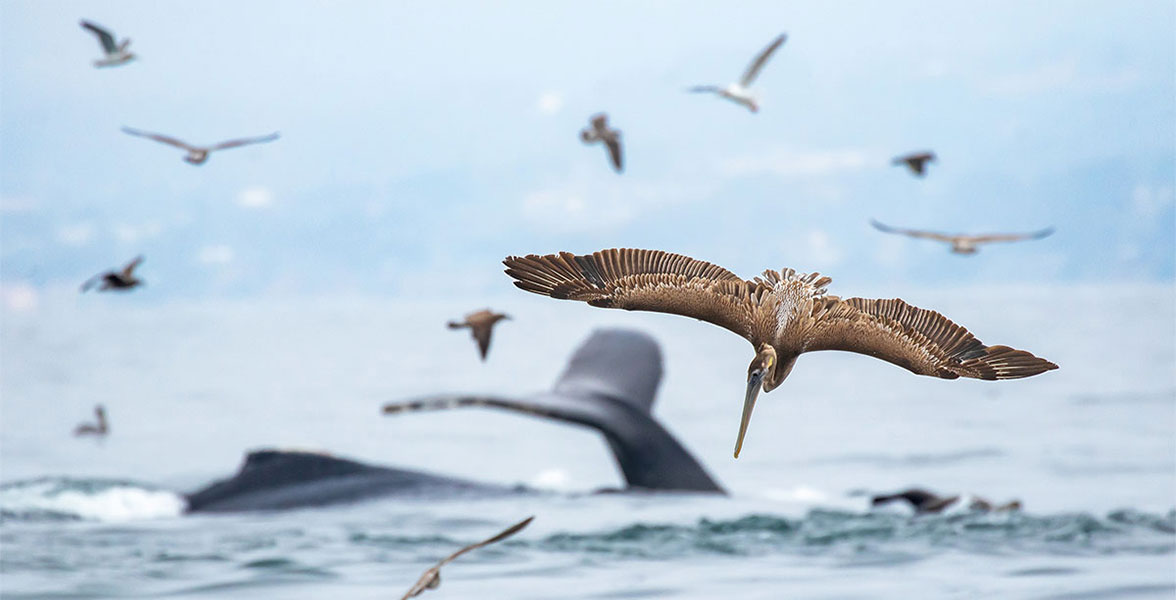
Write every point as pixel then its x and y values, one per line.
pixel 98 429
pixel 740 92
pixel 115 54
pixel 599 131
pixel 782 313
pixel 123 280
pixel 197 155
pixel 431 579
pixel 916 162
pixel 925 502
pixel 481 325
pixel 964 243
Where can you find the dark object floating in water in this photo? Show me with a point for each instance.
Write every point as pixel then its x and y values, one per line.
pixel 431 578
pixel 98 429
pixel 925 502
pixel 609 385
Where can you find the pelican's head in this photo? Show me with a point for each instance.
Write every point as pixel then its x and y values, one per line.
pixel 761 375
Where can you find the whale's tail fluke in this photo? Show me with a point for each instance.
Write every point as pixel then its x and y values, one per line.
pixel 609 385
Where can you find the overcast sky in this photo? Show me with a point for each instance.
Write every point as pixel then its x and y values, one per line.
pixel 424 141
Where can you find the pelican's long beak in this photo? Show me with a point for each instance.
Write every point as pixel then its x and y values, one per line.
pixel 753 390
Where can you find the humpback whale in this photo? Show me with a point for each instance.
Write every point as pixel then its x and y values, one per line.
pixel 609 385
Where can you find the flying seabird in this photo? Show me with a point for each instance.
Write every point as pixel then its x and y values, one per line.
pixel 198 154
pixel 925 502
pixel 98 428
pixel 783 314
pixel 740 92
pixel 963 243
pixel 916 162
pixel 431 579
pixel 116 280
pixel 116 54
pixel 481 325
pixel 599 131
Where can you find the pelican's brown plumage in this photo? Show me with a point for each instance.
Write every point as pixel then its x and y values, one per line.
pixel 116 280
pixel 599 131
pixel 99 428
pixel 197 155
pixel 481 325
pixel 965 243
pixel 431 578
pixel 783 314
pixel 915 161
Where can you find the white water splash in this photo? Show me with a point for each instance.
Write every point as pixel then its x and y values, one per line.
pixel 99 500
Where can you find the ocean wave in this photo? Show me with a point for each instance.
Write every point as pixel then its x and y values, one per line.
pixel 828 531
pixel 71 499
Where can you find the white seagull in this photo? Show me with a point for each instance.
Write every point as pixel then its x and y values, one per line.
pixel 116 54
pixel 198 154
pixel 740 92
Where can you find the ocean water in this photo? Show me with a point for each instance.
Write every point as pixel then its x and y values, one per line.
pixel 1089 449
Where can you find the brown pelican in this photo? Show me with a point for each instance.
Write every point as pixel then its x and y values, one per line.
pixel 925 502
pixel 916 162
pixel 962 243
pixel 783 314
pixel 740 92
pixel 98 428
pixel 198 154
pixel 599 131
pixel 116 280
pixel 481 325
pixel 116 54
pixel 431 579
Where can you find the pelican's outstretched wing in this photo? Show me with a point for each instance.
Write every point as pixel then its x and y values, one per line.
pixel 613 143
pixel 104 37
pixel 171 141
pixel 756 65
pixel 650 280
pixel 1011 237
pixel 129 269
pixel 432 577
pixel 481 333
pixel 245 141
pixel 921 341
pixel 915 233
